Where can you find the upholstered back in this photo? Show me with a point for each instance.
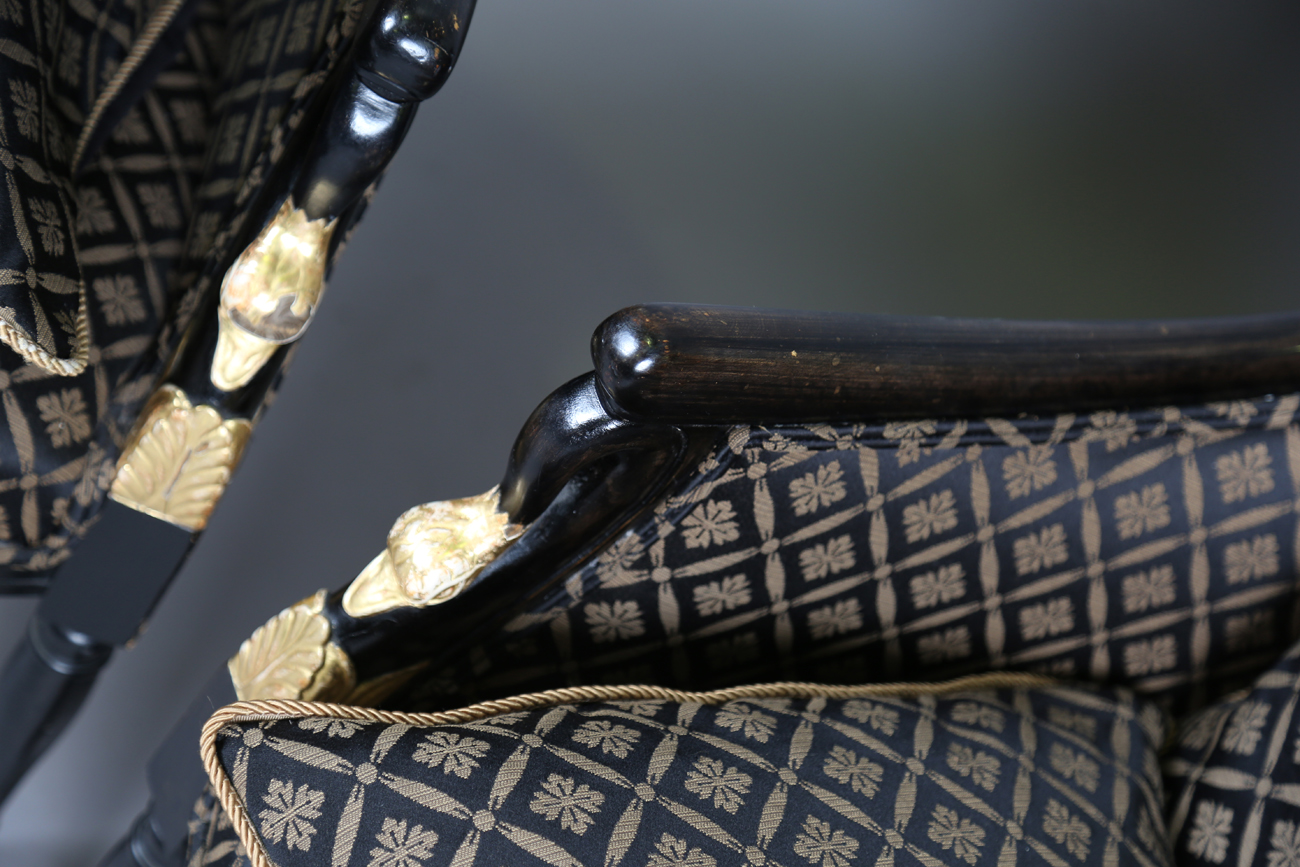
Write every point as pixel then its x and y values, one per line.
pixel 1152 549
pixel 101 269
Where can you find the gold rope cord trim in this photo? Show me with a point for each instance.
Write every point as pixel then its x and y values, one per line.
pixel 21 342
pixel 153 30
pixel 250 711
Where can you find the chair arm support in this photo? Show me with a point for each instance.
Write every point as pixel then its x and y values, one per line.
pixel 690 364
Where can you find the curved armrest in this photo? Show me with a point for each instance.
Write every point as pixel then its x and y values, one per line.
pixel 690 364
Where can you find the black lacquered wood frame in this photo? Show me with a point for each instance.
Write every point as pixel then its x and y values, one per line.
pixel 669 379
pixel 692 364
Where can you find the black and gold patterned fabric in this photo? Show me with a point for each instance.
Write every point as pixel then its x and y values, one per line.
pixel 1234 776
pixel 1153 550
pixel 96 273
pixel 85 263
pixel 279 54
pixel 1150 549
pixel 1058 776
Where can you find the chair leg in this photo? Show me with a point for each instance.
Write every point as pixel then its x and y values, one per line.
pixel 143 848
pixel 176 778
pixel 97 602
pixel 41 687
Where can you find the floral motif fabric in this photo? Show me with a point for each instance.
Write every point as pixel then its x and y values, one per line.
pixel 1234 776
pixel 1151 549
pixel 1155 549
pixel 211 837
pixel 278 55
pixel 100 246
pixel 1054 776
pixel 185 158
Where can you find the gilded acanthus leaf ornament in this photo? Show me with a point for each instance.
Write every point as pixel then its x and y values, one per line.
pixel 433 552
pixel 291 657
pixel 179 459
pixel 268 297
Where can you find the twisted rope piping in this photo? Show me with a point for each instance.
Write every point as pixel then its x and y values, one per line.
pixel 19 341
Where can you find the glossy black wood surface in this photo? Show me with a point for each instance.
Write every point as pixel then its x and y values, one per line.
pixel 97 602
pixel 42 686
pixel 688 364
pixel 578 478
pixel 403 57
pixel 411 47
pixel 570 431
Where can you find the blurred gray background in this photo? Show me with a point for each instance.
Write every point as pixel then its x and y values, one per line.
pixel 1014 159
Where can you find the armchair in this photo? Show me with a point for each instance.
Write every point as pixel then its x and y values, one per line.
pixel 1148 550
pixel 558 378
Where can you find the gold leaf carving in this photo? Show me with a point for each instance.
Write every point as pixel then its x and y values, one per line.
pixel 439 547
pixel 270 294
pixel 179 459
pixel 239 355
pixel 291 657
pixel 434 551
pixel 335 680
pixel 274 286
pixel 376 590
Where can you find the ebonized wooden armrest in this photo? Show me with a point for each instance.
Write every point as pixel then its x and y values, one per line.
pixel 690 364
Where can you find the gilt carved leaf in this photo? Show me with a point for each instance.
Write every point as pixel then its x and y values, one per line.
pixel 179 460
pixel 280 659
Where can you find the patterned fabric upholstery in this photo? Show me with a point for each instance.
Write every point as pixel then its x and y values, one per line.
pixel 102 246
pixel 1150 549
pixel 1153 549
pixel 1015 776
pixel 186 158
pixel 1233 778
pixel 212 839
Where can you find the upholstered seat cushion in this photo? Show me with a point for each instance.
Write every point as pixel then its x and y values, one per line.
pixel 1233 777
pixel 961 774
pixel 1150 549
